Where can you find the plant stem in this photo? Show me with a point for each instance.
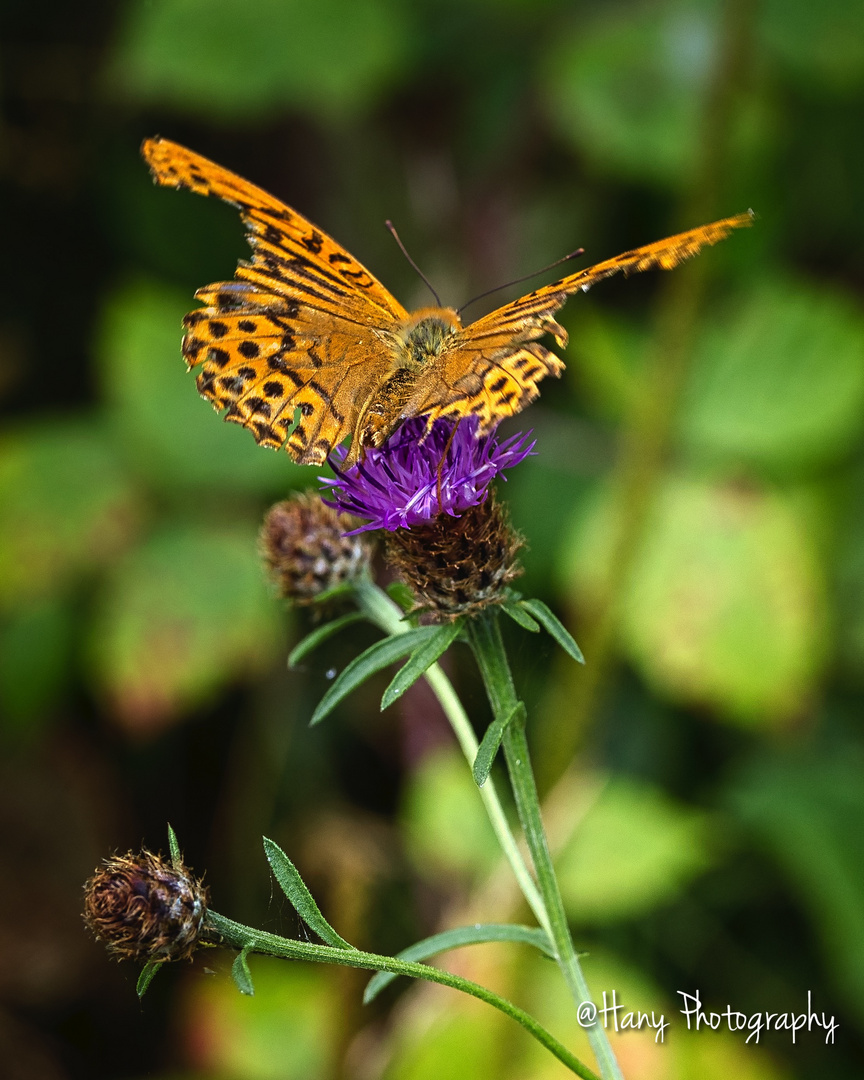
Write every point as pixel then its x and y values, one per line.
pixel 485 634
pixel 381 610
pixel 235 935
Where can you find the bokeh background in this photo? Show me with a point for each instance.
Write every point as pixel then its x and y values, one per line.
pixel 694 513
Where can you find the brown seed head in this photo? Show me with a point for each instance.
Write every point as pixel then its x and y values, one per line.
pixel 457 566
pixel 143 909
pixel 305 550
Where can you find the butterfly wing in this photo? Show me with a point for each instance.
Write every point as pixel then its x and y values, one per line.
pixel 303 326
pixel 492 368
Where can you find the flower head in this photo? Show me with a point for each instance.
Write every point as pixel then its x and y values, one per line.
pixel 308 549
pixel 145 909
pixel 417 476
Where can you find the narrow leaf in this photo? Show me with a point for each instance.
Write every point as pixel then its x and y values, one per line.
pixel 376 657
pixel 491 742
pixel 454 939
pixel 241 974
pixel 421 660
pixel 553 625
pixel 294 887
pixel 148 974
pixel 345 589
pixel 174 848
pixel 320 635
pixel 518 614
pixel 400 594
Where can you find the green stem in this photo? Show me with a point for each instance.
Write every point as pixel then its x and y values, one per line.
pixel 235 935
pixel 485 634
pixel 381 610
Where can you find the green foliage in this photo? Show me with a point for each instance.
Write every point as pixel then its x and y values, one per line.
pixel 626 86
pixel 420 660
pixel 725 605
pixel 447 830
pixel 634 849
pixel 148 974
pixel 778 380
pixel 288 876
pixel 459 937
pixel 321 634
pixel 241 974
pixel 67 508
pixel 374 659
pixel 179 618
pixel 204 56
pixel 284 1034
pixel 36 661
pixel 491 743
pixel 806 808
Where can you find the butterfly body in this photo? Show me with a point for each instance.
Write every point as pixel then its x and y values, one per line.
pixel 306 347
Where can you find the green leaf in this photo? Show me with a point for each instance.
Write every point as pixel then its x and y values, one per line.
pixel 624 92
pixel 400 594
pixel 553 626
pixel 345 588
pixel 320 635
pixel 241 974
pixel 421 660
pixel 197 56
pixel 491 741
pixel 375 658
pixel 148 974
pixel 518 614
pixel 174 848
pixel 294 887
pixel 805 807
pixel 778 380
pixel 178 618
pixel 660 846
pixel 67 508
pixel 725 605
pixel 479 934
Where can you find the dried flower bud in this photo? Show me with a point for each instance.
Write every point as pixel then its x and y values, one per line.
pixel 144 909
pixel 305 549
pixel 457 566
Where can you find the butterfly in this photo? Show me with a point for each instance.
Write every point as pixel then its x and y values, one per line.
pixel 306 347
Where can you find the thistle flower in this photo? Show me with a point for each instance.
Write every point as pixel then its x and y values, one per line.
pixel 413 479
pixel 308 548
pixel 144 909
pixel 449 541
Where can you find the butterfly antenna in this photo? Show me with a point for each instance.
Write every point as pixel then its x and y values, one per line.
pixel 573 255
pixel 404 251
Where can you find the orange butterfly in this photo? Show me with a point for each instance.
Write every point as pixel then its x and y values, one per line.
pixel 306 329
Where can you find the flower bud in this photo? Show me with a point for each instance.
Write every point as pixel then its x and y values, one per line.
pixel 305 550
pixel 143 909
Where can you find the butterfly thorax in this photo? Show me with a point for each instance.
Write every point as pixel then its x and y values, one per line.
pixel 423 336
pixel 413 345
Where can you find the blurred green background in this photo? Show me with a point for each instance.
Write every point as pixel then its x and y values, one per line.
pixel 694 513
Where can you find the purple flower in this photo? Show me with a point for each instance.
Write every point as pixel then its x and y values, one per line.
pixel 398 484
